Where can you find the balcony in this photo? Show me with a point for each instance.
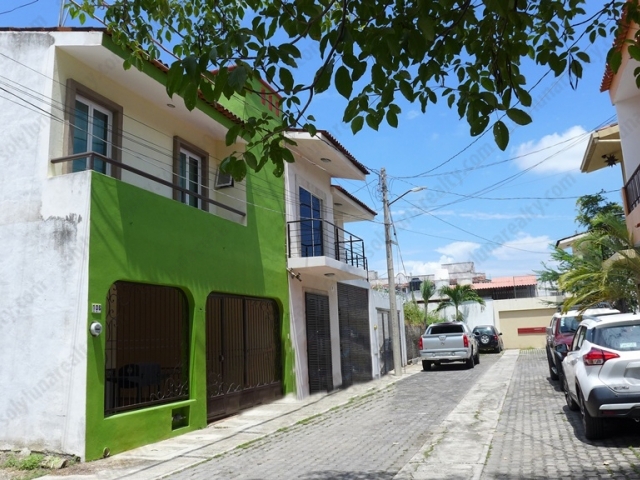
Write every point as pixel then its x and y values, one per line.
pixel 318 247
pixel 147 181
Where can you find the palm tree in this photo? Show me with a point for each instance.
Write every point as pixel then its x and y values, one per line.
pixel 427 289
pixel 604 266
pixel 456 296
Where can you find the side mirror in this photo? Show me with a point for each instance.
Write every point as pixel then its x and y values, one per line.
pixel 477 334
pixel 549 332
pixel 500 333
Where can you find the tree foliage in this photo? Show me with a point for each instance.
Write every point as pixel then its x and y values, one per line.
pixel 456 296
pixel 590 207
pixel 604 267
pixel 377 53
pixel 427 290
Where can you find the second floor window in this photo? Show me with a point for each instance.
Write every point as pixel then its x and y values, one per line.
pixel 191 174
pixel 92 130
pixel 310 224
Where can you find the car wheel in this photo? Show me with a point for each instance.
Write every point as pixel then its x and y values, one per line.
pixel 477 358
pixel 470 363
pixel 426 365
pixel 571 403
pixel 553 372
pixel 593 426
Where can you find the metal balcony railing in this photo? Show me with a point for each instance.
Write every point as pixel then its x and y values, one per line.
pixel 93 158
pixel 632 190
pixel 318 238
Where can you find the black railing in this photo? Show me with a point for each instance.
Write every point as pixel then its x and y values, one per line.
pixel 318 238
pixel 632 190
pixel 146 347
pixel 91 158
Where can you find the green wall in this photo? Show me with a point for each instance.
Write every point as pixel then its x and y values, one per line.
pixel 139 236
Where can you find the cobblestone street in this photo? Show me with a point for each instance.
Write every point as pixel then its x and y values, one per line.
pixel 539 437
pixel 373 437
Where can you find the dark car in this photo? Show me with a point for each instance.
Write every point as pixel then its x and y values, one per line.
pixel 489 338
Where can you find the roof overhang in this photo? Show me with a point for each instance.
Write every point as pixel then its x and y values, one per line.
pixel 568 242
pixel 92 49
pixel 602 143
pixel 352 209
pixel 326 153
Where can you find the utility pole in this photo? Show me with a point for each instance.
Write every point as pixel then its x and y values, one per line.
pixel 393 314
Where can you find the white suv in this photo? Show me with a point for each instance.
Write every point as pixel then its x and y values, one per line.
pixel 602 371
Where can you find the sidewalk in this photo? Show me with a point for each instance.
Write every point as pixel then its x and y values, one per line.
pixel 175 454
pixel 469 428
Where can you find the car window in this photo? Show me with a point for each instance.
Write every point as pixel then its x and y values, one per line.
pixel 441 329
pixel 569 324
pixel 578 339
pixel 618 337
pixel 485 330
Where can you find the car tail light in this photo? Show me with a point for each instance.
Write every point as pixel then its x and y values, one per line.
pixel 465 339
pixel 420 343
pixel 595 356
pixel 495 337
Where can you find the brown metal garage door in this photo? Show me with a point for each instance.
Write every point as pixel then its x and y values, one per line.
pixel 244 365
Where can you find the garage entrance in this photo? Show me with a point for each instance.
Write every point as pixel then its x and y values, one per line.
pixel 244 366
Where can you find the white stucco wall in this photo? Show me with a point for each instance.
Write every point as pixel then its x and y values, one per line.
pixel 44 265
pixel 474 313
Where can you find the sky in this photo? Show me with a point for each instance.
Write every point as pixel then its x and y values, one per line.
pixel 500 210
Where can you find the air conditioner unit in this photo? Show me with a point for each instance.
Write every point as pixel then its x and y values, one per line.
pixel 223 180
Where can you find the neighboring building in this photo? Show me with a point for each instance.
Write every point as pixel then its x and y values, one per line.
pixel 334 325
pixel 518 305
pixel 115 215
pixel 623 142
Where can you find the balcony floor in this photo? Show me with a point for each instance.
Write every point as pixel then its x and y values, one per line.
pixel 326 266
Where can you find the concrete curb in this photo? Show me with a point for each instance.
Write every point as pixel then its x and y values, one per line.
pixel 458 449
pixel 179 453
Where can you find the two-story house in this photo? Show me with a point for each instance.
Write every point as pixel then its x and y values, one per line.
pixel 335 316
pixel 143 292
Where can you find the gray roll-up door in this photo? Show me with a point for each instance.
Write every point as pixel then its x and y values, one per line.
pixel 355 339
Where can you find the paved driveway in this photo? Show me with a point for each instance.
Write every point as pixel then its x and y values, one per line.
pixel 538 437
pixel 372 437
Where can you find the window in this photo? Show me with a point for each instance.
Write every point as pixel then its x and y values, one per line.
pixel 310 224
pixel 578 339
pixel 95 126
pixel 190 174
pixel 569 324
pixel 147 347
pixel 223 179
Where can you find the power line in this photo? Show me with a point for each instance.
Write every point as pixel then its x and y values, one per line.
pixel 19 7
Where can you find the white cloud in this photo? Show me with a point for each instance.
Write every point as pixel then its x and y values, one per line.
pixel 459 251
pixel 525 244
pixel 558 152
pixel 411 114
pixel 416 267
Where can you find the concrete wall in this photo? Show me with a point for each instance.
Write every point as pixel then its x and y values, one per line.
pixel 523 313
pixel 43 269
pixel 474 313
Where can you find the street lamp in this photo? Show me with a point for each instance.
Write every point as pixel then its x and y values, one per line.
pixel 393 314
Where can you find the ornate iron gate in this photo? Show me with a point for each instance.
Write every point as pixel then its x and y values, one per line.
pixel 244 365
pixel 355 339
pixel 318 343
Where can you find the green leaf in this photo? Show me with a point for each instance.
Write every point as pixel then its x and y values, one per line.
pixel 323 78
pixel 232 134
pixel 518 116
pixel 190 95
pixel 372 121
pixel 583 56
pixel 287 155
pixel 427 28
pixel 392 119
pixel 357 124
pixel 251 160
pixel 286 79
pixel 174 77
pixel 634 51
pixel 238 78
pixel 407 90
pixel 344 85
pixel 501 135
pixel 614 60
